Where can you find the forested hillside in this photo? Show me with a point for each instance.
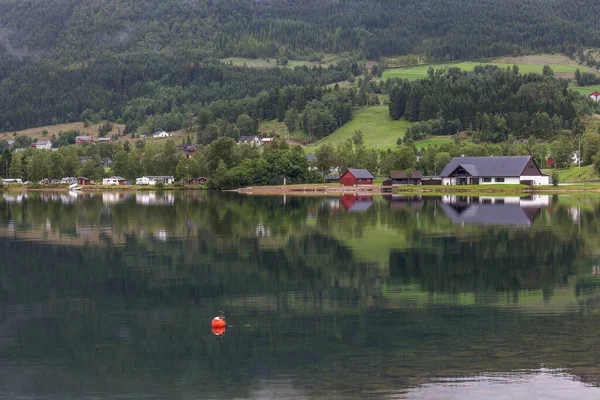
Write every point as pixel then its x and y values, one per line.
pixel 61 57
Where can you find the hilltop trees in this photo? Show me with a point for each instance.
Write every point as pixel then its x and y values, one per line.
pixel 491 100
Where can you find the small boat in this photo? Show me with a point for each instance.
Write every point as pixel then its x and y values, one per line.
pixel 74 186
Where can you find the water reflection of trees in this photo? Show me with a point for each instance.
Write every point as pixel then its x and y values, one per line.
pixel 136 315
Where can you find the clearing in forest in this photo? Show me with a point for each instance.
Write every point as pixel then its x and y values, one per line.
pixel 378 128
pixel 562 66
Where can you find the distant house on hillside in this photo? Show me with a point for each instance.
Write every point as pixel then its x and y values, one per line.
pixel 105 140
pixel 84 139
pixel 493 170
pixel 160 134
pixel 266 141
pixel 253 141
pixel 106 162
pixel 594 96
pixel 188 149
pixel 10 143
pixel 353 177
pixel 42 144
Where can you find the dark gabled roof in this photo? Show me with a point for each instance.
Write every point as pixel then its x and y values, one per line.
pixel 489 214
pixel 247 138
pixel 488 166
pixel 360 173
pixel 405 174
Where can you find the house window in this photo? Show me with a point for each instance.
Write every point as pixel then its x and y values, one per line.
pixel 487 179
pixel 500 180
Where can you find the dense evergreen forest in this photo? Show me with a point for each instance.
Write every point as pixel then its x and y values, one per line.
pixel 490 101
pixel 131 59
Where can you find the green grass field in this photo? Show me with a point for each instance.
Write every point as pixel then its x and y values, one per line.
pixel 379 130
pixel 586 89
pixel 420 71
pixel 573 174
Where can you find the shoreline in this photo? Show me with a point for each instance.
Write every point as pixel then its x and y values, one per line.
pixel 91 188
pixel 331 190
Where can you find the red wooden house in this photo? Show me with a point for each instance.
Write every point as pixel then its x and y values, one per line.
pixel 84 181
pixel 353 177
pixel 84 139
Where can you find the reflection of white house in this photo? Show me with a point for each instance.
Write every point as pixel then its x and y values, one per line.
pixel 493 170
pixel 160 134
pixel 155 199
pixel 153 180
pixel 465 210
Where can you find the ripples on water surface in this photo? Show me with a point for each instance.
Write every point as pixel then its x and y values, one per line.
pixel 110 296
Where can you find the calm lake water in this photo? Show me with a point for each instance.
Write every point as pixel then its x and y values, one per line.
pixel 111 295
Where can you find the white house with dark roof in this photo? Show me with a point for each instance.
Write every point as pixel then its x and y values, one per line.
pixel 493 170
pixel 42 144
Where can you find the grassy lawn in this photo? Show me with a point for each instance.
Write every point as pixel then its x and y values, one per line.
pixel 379 130
pixel 274 127
pixel 420 71
pixel 91 130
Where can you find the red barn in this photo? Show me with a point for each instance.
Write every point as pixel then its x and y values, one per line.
pixel 353 177
pixel 84 181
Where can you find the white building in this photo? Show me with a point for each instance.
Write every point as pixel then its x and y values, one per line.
pixel 160 134
pixel 253 141
pixel 42 144
pixel 153 180
pixel 493 170
pixel 594 96
pixel 114 180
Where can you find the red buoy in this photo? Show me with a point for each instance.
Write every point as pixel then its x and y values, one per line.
pixel 218 322
pixel 218 331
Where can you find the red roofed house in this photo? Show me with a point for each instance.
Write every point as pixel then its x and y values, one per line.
pixel 84 139
pixel 353 177
pixel 594 96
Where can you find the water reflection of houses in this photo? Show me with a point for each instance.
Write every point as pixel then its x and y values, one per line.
pixel 515 211
pixel 114 198
pixel 14 199
pixel 356 203
pixel 402 202
pixel 155 199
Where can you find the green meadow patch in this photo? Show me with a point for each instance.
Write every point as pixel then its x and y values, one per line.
pixel 378 128
pixel 420 71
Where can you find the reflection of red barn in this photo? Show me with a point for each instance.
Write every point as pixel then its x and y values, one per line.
pixel 356 203
pixel 84 181
pixel 354 176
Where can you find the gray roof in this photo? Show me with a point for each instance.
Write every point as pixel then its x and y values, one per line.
pixel 360 173
pixel 489 214
pixel 311 158
pixel 488 166
pixel 247 138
